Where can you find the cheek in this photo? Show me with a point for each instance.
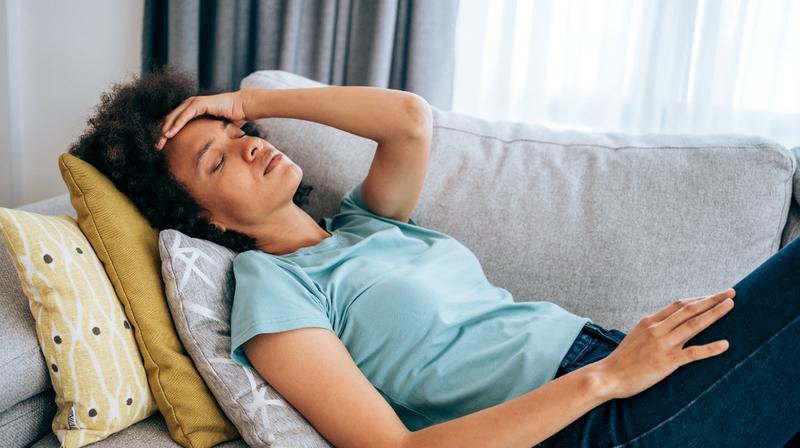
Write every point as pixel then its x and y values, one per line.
pixel 234 192
pixel 234 206
pixel 241 197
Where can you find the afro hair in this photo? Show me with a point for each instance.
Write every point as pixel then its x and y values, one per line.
pixel 120 139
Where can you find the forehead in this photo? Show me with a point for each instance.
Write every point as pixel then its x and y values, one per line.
pixel 195 133
pixel 181 150
pixel 201 124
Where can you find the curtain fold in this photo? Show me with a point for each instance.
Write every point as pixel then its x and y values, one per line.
pixel 398 44
pixel 636 66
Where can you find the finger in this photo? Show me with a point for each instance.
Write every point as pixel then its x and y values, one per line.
pixel 180 121
pixel 172 119
pixel 693 308
pixel 671 308
pixel 698 352
pixel 679 304
pixel 169 120
pixel 691 327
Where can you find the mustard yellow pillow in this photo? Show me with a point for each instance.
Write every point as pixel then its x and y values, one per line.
pixel 128 247
pixel 95 367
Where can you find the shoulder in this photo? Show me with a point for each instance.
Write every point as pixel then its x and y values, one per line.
pixel 257 264
pixel 353 203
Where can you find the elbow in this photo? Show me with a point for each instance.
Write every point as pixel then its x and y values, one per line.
pixel 420 117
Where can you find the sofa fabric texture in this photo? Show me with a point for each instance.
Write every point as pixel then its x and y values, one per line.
pixel 27 421
pixel 608 225
pixel 22 366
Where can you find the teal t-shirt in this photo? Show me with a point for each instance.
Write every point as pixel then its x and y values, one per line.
pixel 414 309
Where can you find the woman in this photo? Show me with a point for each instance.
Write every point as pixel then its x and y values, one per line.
pixel 427 354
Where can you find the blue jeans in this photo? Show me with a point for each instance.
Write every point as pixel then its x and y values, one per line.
pixel 748 396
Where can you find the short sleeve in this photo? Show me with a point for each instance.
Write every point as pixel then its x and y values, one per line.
pixel 352 202
pixel 269 299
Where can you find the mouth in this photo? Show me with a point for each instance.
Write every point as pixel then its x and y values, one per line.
pixel 272 161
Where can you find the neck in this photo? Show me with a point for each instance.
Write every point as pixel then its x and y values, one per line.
pixel 291 231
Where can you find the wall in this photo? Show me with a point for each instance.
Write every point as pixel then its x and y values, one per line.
pixel 56 58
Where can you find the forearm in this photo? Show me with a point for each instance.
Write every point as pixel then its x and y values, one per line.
pixel 371 112
pixel 524 421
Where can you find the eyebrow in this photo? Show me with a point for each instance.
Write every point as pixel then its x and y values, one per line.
pixel 207 146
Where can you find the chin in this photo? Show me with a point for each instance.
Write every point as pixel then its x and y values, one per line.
pixel 299 173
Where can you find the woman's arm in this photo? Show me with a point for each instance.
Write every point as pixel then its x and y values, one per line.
pixel 648 354
pixel 372 112
pixel 312 369
pixel 524 421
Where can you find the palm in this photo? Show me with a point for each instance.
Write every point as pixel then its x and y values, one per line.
pixel 228 105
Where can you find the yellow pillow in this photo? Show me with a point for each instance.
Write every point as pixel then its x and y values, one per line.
pixel 128 247
pixel 95 367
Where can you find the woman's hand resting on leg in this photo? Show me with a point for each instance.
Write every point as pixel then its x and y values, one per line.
pixel 654 348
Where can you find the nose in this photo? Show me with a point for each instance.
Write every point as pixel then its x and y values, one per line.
pixel 252 148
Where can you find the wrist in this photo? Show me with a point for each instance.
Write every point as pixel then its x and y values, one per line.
pixel 601 379
pixel 253 101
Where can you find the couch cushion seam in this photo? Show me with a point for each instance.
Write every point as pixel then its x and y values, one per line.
pixel 757 145
pixel 24 414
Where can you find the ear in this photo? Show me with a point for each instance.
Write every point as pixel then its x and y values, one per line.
pixel 207 216
pixel 218 225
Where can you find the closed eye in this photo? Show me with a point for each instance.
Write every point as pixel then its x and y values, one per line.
pixel 222 160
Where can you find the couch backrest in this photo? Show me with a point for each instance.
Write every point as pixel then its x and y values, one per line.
pixel 792 228
pixel 608 225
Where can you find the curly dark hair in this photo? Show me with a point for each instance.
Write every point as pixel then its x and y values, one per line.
pixel 120 142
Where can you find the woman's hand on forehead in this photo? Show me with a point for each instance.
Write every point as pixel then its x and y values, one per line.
pixel 229 105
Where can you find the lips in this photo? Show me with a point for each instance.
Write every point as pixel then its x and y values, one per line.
pixel 270 162
pixel 268 159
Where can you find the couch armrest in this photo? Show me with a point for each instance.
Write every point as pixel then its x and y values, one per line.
pixel 56 205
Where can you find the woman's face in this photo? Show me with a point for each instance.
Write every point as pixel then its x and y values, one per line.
pixel 237 193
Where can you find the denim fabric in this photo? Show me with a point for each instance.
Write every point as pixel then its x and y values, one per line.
pixel 748 396
pixel 592 344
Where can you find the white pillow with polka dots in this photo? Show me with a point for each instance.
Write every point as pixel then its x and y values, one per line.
pixel 88 344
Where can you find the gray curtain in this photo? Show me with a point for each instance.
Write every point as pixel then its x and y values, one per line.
pixel 397 44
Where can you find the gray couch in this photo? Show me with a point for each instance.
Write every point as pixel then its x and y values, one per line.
pixel 609 226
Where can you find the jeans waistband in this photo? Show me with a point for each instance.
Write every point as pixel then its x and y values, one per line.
pixel 593 342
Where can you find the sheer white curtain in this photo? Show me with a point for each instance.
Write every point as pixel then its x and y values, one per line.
pixel 688 66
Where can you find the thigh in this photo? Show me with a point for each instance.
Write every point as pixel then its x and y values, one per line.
pixel 750 388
